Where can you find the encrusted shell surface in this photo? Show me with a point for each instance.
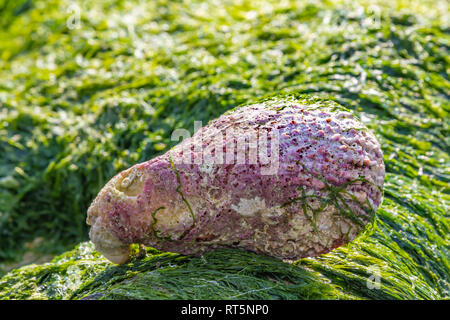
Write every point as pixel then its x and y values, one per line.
pixel 326 186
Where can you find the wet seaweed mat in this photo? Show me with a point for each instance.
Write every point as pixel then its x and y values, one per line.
pixel 79 103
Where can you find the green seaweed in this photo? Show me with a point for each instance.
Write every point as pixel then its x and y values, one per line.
pixel 152 225
pixel 188 205
pixel 334 197
pixel 79 105
pixel 84 274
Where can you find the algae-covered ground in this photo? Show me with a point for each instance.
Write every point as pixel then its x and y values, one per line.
pixel 88 88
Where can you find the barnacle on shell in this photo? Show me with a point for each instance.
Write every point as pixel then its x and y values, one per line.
pixel 320 184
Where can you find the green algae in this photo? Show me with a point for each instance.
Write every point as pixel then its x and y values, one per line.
pixel 334 197
pixel 188 205
pixel 155 221
pixel 79 105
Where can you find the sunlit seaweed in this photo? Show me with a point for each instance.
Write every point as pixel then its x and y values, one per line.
pixel 79 105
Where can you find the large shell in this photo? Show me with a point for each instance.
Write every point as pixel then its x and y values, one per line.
pixel 285 177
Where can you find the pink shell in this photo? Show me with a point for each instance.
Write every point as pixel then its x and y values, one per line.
pixel 321 184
